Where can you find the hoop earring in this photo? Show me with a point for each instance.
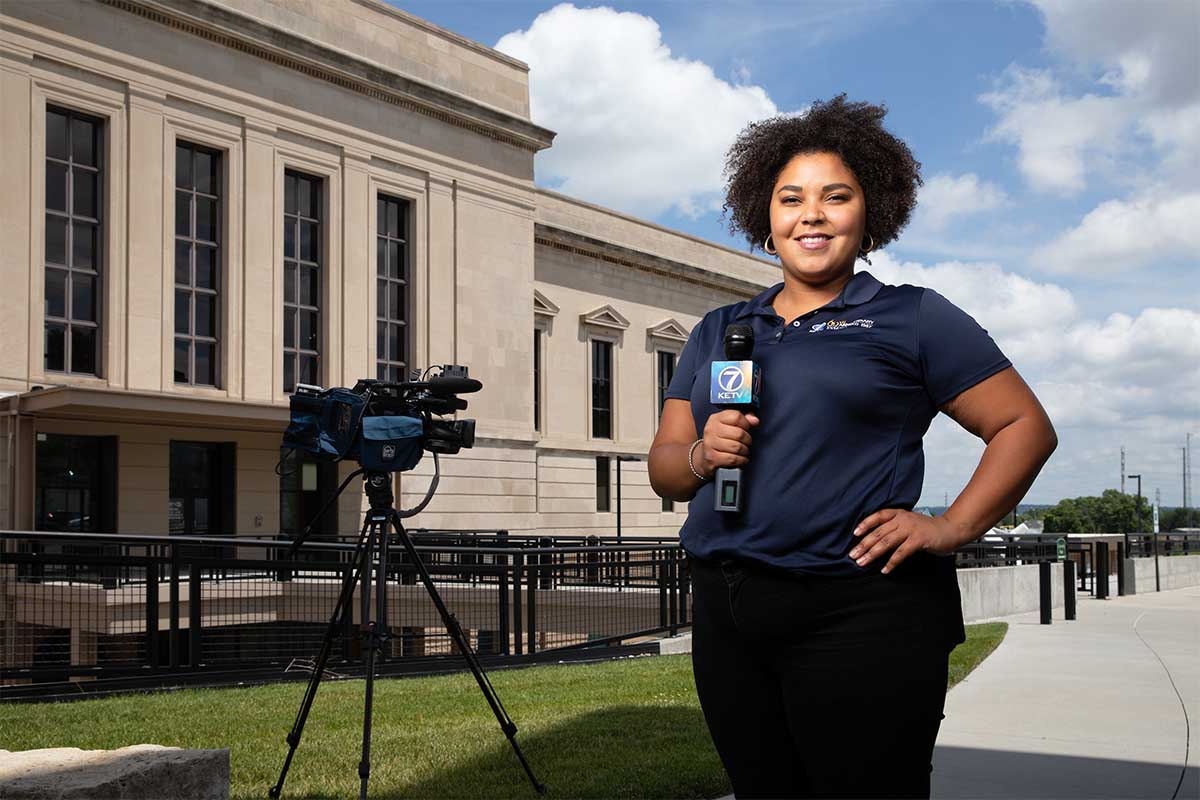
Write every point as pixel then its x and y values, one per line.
pixel 767 246
pixel 866 250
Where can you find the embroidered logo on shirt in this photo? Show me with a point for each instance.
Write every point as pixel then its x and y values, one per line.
pixel 838 324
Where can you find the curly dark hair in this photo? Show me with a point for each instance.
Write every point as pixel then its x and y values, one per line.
pixel 883 165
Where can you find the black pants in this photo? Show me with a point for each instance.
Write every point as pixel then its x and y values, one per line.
pixel 819 687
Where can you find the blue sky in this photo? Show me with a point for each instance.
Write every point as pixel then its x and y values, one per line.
pixel 1059 144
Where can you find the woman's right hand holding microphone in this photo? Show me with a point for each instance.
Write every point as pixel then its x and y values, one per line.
pixel 726 441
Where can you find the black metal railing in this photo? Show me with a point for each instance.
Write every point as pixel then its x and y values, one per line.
pixel 82 607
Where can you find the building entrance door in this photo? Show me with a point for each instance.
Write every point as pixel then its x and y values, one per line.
pixel 201 496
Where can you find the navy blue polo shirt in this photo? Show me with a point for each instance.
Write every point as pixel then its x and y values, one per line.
pixel 848 391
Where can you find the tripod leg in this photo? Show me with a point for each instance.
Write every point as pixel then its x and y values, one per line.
pixel 464 646
pixel 310 694
pixel 373 639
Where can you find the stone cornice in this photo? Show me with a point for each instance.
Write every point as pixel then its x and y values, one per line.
pixel 244 34
pixel 580 244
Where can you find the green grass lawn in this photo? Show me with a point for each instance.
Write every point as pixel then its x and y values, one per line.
pixel 626 728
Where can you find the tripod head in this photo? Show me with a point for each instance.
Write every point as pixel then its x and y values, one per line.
pixel 378 488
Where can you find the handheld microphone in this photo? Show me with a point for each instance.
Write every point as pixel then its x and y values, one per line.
pixel 734 384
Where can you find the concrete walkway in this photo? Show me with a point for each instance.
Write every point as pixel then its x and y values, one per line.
pixel 1094 708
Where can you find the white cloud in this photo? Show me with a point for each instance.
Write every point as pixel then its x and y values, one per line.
pixel 1144 61
pixel 638 128
pixel 945 197
pixel 1018 312
pixel 1058 137
pixel 1127 234
pixel 1121 379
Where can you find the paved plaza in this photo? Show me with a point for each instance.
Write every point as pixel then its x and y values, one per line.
pixel 1098 707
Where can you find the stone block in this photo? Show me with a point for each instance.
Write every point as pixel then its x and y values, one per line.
pixel 139 771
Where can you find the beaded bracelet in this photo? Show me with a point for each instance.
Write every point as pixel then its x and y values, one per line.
pixel 692 466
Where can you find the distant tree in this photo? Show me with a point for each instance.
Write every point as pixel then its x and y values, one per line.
pixel 1171 518
pixel 1112 512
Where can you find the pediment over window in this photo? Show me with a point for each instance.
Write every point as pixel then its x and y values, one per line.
pixel 605 317
pixel 668 329
pixel 542 305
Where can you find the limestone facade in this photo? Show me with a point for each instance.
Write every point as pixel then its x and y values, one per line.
pixel 364 101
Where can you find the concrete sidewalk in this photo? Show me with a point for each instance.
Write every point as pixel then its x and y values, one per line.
pixel 1094 708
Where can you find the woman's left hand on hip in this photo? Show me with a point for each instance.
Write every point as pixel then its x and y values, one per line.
pixel 902 533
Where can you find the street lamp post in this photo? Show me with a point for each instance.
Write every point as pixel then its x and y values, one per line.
pixel 1154 536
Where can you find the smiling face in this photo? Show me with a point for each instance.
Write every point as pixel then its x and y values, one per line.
pixel 818 218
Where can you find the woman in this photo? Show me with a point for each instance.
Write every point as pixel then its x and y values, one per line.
pixel 825 610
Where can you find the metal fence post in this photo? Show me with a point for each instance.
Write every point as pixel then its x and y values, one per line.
pixel 195 576
pixel 531 617
pixel 174 610
pixel 1069 588
pixel 505 606
pixel 1101 568
pixel 1044 591
pixel 517 577
pixel 151 611
pixel 661 575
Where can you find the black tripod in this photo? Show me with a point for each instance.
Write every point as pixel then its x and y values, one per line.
pixel 373 547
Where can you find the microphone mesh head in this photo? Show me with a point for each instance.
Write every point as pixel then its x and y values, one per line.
pixel 739 342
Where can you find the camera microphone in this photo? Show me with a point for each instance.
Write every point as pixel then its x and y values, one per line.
pixel 443 386
pixel 734 384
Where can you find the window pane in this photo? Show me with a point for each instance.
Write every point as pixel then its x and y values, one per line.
pixel 83 144
pixel 56 293
pixel 289 373
pixel 55 347
pixel 183 169
pixel 56 135
pixel 181 361
pixel 56 239
pixel 393 343
pixel 310 289
pixel 289 238
pixel 206 322
pixel 205 172
pixel 56 186
pixel 308 370
pixel 206 267
pixel 206 219
pixel 394 219
pixel 397 301
pixel 183 266
pixel 206 364
pixel 381 341
pixel 395 263
pixel 308 241
pixel 308 330
pixel 381 256
pixel 289 327
pixel 303 197
pixel 183 214
pixel 83 245
pixel 380 216
pixel 83 297
pixel 183 312
pixel 289 283
pixel 83 194
pixel 381 298
pixel 381 370
pixel 83 349
pixel 289 194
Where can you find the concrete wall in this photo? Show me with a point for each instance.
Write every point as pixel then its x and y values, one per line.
pixel 989 592
pixel 1175 572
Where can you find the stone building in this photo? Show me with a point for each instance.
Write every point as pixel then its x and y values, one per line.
pixel 207 201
